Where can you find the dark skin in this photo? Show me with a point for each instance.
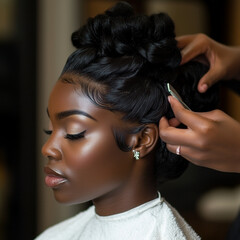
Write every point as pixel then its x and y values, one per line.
pixel 93 165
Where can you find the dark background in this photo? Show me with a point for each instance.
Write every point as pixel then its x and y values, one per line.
pixel 18 128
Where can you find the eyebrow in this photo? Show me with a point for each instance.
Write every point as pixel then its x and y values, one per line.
pixel 68 113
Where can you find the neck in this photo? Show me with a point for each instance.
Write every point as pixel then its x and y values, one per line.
pixel 127 196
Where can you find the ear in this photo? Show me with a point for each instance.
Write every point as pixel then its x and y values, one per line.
pixel 145 141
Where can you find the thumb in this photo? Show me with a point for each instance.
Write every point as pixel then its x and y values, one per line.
pixel 207 81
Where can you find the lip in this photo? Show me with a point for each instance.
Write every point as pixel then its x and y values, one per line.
pixel 54 178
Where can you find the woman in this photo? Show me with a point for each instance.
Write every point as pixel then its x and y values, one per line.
pixel 104 143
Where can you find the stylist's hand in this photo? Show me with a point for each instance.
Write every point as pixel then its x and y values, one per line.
pixel 212 139
pixel 224 61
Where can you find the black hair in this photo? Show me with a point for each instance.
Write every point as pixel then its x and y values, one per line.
pixel 127 60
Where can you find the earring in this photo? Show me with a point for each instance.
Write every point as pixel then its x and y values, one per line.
pixel 136 154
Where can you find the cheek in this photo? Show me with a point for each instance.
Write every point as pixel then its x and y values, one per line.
pixel 97 162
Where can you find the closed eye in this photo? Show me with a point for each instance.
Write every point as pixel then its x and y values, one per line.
pixel 75 136
pixel 48 132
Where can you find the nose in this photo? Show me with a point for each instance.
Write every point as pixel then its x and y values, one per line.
pixel 51 149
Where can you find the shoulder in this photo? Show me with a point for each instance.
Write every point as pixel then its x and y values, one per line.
pixel 66 229
pixel 173 225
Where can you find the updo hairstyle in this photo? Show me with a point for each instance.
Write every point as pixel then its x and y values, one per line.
pixel 126 61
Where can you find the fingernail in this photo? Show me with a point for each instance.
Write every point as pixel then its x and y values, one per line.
pixel 169 99
pixel 182 62
pixel 204 87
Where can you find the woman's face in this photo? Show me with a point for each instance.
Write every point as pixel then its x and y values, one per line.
pixel 84 161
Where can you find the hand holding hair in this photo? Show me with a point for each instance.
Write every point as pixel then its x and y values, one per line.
pixel 223 60
pixel 212 139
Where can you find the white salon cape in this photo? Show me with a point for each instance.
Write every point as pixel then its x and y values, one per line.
pixel 154 220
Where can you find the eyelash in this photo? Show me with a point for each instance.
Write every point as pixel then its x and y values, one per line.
pixel 71 137
pixel 48 132
pixel 75 136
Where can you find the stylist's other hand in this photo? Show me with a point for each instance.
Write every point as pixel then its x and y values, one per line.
pixel 212 139
pixel 224 61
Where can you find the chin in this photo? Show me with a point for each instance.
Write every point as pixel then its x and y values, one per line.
pixel 67 199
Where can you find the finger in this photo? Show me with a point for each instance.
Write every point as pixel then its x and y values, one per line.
pixel 207 81
pixel 192 50
pixel 190 119
pixel 176 136
pixel 173 122
pixel 193 46
pixel 173 148
pixel 184 151
pixel 214 115
pixel 163 123
pixel 184 40
pixel 170 134
pixel 191 154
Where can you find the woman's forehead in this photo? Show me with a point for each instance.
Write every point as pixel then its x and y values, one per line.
pixel 67 97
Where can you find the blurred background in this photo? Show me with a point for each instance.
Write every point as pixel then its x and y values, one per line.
pixel 34 45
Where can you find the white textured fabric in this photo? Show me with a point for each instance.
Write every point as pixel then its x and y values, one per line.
pixel 154 220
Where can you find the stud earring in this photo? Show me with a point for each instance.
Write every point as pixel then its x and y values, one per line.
pixel 136 154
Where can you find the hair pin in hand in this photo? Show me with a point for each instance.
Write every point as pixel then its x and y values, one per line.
pixel 175 94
